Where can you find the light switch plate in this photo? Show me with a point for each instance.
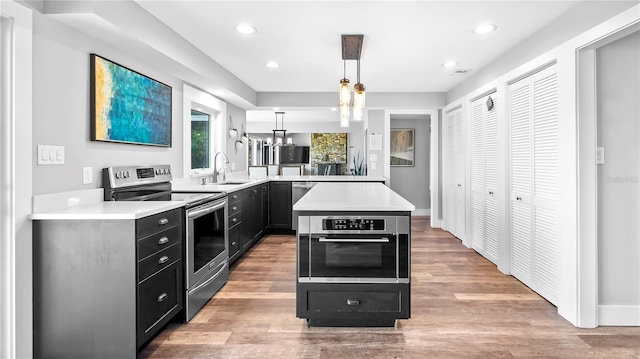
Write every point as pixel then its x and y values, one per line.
pixel 50 155
pixel 373 157
pixel 373 165
pixel 87 175
pixel 599 155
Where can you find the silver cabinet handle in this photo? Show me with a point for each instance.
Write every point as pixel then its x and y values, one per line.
pixel 163 221
pixel 234 208
pixel 491 192
pixel 353 302
pixel 233 243
pixel 354 240
pixel 163 260
pixel 163 240
pixel 518 198
pixel 234 220
pixel 162 297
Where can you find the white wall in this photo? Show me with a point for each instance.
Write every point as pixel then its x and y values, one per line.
pixel 61 109
pixel 412 182
pixel 16 309
pixel 618 82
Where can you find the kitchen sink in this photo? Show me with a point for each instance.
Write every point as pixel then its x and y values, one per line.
pixel 230 183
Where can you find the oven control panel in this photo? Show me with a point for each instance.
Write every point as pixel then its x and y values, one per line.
pixel 353 224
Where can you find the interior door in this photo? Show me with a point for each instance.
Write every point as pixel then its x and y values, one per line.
pixel 533 116
pixel 484 176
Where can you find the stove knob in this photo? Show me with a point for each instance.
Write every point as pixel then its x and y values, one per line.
pixel 126 174
pixel 168 171
pixel 118 174
pixel 157 171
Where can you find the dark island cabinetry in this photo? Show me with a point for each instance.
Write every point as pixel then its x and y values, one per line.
pixel 280 205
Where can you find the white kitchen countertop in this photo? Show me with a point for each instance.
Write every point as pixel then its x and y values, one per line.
pixel 352 197
pixel 109 210
pixel 237 184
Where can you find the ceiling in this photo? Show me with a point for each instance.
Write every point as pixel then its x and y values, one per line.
pixel 405 42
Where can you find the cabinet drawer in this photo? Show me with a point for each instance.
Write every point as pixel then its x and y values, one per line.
pixel 234 241
pixel 235 220
pixel 235 208
pixel 326 301
pixel 160 298
pixel 161 240
pixel 234 196
pixel 162 259
pixel 158 222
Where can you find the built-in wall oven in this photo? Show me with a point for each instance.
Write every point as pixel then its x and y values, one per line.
pixel 353 249
pixel 353 270
pixel 206 244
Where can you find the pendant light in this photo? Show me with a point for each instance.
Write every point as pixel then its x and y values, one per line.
pixel 279 140
pixel 351 50
pixel 358 98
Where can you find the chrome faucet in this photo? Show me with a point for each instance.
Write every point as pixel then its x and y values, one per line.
pixel 216 172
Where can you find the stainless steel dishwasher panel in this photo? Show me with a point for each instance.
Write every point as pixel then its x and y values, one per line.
pixel 298 189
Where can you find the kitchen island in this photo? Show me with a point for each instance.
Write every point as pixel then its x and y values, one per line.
pixel 353 255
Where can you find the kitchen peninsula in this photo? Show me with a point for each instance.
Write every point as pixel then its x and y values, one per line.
pixel 353 255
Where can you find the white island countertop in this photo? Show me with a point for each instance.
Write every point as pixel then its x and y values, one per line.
pixel 331 196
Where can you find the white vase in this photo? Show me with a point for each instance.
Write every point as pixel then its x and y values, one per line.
pixel 233 133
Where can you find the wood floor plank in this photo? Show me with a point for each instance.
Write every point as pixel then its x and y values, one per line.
pixel 462 307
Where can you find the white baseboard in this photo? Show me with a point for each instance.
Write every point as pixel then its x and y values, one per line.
pixel 421 212
pixel 619 315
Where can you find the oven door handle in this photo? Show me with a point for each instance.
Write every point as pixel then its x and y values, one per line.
pixel 356 240
pixel 198 213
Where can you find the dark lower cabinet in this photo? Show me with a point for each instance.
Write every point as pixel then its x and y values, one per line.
pixel 104 287
pixel 353 304
pixel 280 205
pixel 248 218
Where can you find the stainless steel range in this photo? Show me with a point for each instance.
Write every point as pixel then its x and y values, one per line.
pixel 206 244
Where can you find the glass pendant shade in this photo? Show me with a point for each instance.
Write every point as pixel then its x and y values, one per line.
pixel 345 93
pixel 358 102
pixel 344 115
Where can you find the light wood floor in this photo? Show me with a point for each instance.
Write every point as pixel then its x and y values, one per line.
pixel 461 307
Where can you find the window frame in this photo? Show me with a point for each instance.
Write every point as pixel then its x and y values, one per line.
pixel 206 103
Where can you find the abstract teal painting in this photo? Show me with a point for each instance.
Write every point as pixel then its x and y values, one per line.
pixel 127 106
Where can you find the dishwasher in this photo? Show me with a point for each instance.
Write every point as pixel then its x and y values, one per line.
pixel 298 189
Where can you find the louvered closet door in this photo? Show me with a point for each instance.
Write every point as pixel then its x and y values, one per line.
pixel 534 184
pixel 450 173
pixel 477 175
pixel 460 219
pixel 455 196
pixel 484 177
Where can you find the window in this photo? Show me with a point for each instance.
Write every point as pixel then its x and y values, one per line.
pixel 203 131
pixel 200 139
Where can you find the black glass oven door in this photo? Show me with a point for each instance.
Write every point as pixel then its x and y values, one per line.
pixel 206 237
pixel 353 256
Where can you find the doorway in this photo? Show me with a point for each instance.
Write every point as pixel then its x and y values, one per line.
pixel 410 176
pixel 609 189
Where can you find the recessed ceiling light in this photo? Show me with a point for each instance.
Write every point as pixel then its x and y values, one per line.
pixel 276 108
pixel 485 28
pixel 449 64
pixel 334 109
pixel 246 29
pixel 272 65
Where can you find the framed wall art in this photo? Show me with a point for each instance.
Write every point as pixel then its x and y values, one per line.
pixel 128 107
pixel 402 147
